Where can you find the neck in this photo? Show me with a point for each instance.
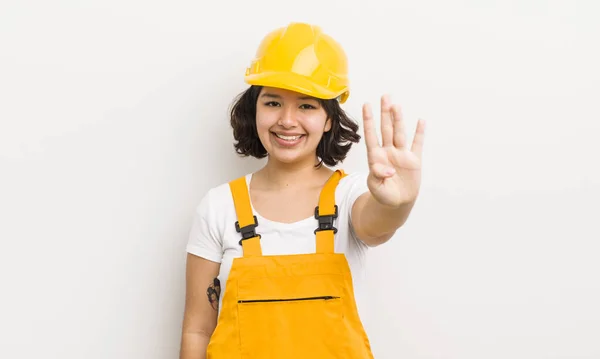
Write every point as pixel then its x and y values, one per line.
pixel 277 175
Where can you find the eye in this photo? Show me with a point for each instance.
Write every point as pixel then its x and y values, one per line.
pixel 307 107
pixel 272 104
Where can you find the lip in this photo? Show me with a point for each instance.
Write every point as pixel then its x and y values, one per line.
pixel 284 143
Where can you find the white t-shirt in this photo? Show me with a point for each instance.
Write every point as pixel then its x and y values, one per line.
pixel 213 235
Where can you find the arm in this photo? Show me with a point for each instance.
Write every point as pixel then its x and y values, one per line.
pixel 375 223
pixel 200 316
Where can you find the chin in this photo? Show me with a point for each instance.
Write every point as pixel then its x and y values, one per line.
pixel 285 159
pixel 288 158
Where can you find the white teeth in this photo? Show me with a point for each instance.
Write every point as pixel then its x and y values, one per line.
pixel 287 138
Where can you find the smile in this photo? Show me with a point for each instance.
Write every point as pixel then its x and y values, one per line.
pixel 289 138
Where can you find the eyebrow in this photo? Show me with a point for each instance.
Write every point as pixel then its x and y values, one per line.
pixel 272 95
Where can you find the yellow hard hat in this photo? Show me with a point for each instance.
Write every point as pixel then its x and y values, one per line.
pixel 301 58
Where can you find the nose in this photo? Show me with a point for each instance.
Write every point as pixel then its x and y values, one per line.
pixel 287 117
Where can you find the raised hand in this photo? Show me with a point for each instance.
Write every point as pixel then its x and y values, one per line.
pixel 394 169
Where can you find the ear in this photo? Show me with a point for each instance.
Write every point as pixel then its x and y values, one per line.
pixel 327 125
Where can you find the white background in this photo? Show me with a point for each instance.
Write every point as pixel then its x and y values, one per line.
pixel 113 125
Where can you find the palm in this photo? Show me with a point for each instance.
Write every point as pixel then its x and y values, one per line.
pixel 394 169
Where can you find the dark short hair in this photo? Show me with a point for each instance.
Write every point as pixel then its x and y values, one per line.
pixel 332 148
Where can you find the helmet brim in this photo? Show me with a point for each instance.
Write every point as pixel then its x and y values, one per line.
pixel 295 82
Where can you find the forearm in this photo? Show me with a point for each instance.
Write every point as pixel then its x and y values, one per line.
pixel 193 345
pixel 376 223
pixel 200 314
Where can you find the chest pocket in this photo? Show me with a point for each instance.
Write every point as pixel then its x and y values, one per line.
pixel 294 317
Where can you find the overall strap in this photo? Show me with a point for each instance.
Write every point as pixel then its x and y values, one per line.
pixel 326 213
pixel 247 222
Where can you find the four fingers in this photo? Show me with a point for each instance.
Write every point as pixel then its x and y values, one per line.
pixel 392 128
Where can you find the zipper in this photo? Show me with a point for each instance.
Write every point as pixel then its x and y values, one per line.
pixel 328 297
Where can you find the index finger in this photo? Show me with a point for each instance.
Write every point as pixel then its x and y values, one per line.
pixel 370 135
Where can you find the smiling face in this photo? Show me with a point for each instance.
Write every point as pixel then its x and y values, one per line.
pixel 290 125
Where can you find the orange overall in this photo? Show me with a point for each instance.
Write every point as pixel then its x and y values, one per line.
pixel 289 306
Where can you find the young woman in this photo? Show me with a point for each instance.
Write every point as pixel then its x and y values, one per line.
pixel 276 257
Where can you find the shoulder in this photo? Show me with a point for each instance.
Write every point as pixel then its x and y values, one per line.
pixel 213 227
pixel 219 197
pixel 353 178
pixel 352 186
pixel 349 189
pixel 217 208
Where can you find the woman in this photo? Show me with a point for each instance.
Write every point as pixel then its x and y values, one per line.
pixel 276 257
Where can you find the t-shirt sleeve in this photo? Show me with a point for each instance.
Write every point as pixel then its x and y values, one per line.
pixel 356 186
pixel 204 240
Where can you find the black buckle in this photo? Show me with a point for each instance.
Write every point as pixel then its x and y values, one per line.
pixel 326 221
pixel 248 231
